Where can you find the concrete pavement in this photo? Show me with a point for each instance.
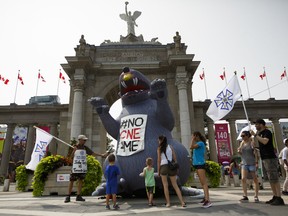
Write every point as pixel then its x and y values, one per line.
pixel 225 202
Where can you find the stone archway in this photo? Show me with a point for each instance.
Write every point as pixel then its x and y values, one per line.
pixel 95 71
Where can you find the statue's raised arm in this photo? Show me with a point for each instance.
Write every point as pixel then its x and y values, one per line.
pixel 130 19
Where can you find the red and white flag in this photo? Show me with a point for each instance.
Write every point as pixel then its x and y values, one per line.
pixel 4 80
pixel 284 74
pixel 262 75
pixel 223 76
pixel 41 77
pixel 243 77
pixel 61 76
pixel 202 76
pixel 20 78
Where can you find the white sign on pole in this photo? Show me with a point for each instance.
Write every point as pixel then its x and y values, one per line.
pixel 79 161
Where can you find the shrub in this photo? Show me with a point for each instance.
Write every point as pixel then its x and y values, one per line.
pixel 213 172
pixel 49 164
pixel 46 165
pixel 93 176
pixel 21 178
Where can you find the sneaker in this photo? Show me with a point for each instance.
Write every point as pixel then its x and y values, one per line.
pixel 67 199
pixel 202 201
pixel 278 201
pixel 256 200
pixel 80 198
pixel 107 207
pixel 116 207
pixel 244 199
pixel 207 204
pixel 270 201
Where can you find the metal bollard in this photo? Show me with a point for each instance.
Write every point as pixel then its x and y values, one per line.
pixel 6 185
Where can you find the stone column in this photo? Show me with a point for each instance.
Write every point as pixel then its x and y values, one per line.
pixel 53 144
pixel 181 83
pixel 77 110
pixel 212 143
pixel 7 150
pixel 277 134
pixel 233 134
pixel 30 143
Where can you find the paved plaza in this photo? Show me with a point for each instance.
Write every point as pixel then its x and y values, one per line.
pixel 225 202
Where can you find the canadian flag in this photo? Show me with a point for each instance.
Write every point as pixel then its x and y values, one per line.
pixel 41 77
pixel 243 77
pixel 202 76
pixel 283 74
pixel 62 77
pixel 4 80
pixel 20 78
pixel 262 75
pixel 223 76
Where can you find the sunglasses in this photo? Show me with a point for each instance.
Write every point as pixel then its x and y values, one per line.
pixel 243 135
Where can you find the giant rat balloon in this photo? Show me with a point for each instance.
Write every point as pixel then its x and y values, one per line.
pixel 144 116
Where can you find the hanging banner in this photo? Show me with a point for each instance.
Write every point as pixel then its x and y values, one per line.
pixel 132 134
pixel 2 138
pixel 223 142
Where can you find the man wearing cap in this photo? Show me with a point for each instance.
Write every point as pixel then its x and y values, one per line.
pixel 269 158
pixel 284 159
pixel 79 167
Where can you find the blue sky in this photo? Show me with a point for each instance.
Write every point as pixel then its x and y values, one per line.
pixel 221 33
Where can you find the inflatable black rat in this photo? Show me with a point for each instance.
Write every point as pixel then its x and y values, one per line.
pixel 145 115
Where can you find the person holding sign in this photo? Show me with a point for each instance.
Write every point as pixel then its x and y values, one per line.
pixel 79 167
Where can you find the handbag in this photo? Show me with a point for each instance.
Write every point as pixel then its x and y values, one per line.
pixel 172 165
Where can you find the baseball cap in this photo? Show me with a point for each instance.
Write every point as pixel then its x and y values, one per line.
pixel 260 121
pixel 82 137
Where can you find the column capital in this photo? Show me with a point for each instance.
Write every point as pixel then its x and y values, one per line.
pixel 78 84
pixel 181 82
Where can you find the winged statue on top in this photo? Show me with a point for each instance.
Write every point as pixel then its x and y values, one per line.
pixel 130 19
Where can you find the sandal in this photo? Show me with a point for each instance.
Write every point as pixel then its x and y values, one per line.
pixel 184 205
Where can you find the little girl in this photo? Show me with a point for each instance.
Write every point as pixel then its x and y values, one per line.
pixel 148 173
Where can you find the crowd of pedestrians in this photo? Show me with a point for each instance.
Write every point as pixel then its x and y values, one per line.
pixel 165 154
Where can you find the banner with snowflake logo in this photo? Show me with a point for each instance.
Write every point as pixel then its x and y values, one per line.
pixel 42 141
pixel 225 100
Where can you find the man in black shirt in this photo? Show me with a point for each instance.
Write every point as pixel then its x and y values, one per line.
pixel 269 158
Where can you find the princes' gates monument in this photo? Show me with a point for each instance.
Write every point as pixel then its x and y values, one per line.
pixel 94 71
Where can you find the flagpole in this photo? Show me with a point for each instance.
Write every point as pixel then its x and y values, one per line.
pixel 243 103
pixel 246 83
pixel 16 86
pixel 58 82
pixel 37 82
pixel 286 74
pixel 53 136
pixel 267 83
pixel 225 76
pixel 205 84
